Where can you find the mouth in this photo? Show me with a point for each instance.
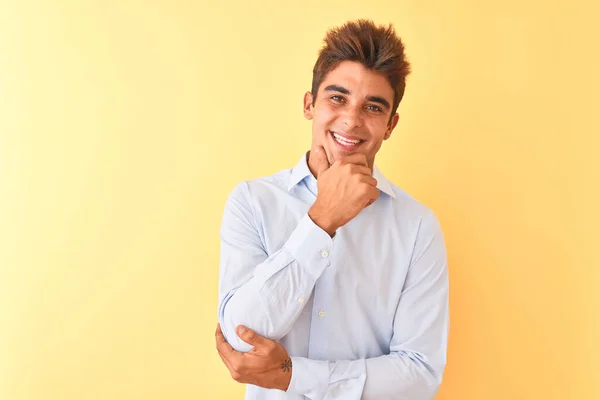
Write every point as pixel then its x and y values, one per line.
pixel 345 142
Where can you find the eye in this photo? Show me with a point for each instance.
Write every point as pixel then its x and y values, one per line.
pixel 337 99
pixel 374 108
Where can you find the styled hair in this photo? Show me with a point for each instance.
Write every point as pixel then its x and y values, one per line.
pixel 377 48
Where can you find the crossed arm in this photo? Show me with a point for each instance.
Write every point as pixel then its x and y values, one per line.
pixel 261 293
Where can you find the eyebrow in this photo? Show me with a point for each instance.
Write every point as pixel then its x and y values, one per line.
pixel 343 90
pixel 336 88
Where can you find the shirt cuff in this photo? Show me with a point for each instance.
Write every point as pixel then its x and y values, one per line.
pixel 311 246
pixel 309 378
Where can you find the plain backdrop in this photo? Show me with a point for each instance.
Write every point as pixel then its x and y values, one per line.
pixel 125 124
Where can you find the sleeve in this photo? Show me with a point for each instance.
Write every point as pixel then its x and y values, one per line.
pixel 265 292
pixel 413 369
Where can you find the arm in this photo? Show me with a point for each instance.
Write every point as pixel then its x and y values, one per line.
pixel 265 293
pixel 413 369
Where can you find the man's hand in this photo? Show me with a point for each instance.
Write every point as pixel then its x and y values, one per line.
pixel 344 190
pixel 267 365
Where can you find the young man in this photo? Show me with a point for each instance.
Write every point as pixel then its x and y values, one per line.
pixel 333 281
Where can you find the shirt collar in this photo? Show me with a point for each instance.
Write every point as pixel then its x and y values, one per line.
pixel 301 171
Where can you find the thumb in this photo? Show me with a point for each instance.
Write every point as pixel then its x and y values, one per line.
pixel 249 336
pixel 321 161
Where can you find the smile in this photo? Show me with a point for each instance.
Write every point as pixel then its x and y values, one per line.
pixel 345 142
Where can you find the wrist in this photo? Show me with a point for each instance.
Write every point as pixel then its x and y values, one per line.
pixel 285 375
pixel 322 220
pixel 285 382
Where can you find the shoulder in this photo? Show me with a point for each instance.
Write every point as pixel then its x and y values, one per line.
pixel 261 188
pixel 409 208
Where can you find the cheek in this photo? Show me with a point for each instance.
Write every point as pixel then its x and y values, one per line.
pixel 374 146
pixel 324 115
pixel 321 122
pixel 378 130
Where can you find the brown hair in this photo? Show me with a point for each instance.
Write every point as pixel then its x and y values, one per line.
pixel 377 48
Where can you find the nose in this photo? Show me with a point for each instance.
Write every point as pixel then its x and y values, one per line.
pixel 352 117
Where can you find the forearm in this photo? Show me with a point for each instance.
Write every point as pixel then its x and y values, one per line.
pixel 417 354
pixel 398 375
pixel 272 299
pixel 401 375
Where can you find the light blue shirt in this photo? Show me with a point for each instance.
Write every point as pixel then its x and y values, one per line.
pixel 363 315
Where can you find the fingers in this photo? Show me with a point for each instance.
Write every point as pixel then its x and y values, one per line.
pixel 222 346
pixel 374 194
pixel 366 178
pixel 226 362
pixel 251 337
pixel 358 159
pixel 229 356
pixel 321 160
pixel 360 169
pixel 237 376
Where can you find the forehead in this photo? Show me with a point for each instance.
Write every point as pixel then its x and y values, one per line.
pixel 359 80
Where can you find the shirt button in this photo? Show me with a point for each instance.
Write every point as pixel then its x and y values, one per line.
pixel 300 299
pixel 321 313
pixel 324 253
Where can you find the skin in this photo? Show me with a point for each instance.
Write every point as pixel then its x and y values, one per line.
pixel 355 103
pixel 267 365
pixel 352 114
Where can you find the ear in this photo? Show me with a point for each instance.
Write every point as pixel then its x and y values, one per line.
pixel 391 126
pixel 308 107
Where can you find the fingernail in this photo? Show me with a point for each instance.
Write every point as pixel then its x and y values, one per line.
pixel 242 329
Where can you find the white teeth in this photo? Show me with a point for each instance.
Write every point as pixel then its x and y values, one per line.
pixel 343 140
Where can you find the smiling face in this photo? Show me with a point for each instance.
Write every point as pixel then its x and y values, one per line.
pixel 351 112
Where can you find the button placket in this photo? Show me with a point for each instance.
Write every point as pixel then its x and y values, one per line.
pixel 325 255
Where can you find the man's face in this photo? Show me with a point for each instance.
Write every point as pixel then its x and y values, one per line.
pixel 351 112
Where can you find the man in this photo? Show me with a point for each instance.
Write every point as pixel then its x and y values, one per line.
pixel 333 281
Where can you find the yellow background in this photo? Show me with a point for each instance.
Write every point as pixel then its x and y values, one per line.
pixel 125 124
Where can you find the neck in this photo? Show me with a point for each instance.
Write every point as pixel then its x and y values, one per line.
pixel 311 166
